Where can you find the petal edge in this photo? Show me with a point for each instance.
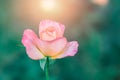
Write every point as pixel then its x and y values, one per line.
pixel 71 50
pixel 30 40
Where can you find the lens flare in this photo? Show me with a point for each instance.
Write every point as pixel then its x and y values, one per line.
pixel 48 4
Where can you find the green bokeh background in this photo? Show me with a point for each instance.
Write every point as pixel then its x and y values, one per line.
pixel 98 57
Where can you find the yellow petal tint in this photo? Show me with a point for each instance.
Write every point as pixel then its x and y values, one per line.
pixel 70 50
pixel 53 48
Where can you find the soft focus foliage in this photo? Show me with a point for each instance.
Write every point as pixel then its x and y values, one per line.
pixel 97 31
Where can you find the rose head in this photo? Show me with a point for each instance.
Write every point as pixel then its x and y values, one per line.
pixel 51 42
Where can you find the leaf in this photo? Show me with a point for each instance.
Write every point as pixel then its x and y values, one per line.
pixel 43 63
pixel 51 61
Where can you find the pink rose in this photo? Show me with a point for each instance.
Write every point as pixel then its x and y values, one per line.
pixel 51 42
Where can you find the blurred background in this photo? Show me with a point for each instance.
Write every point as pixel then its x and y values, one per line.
pixel 95 24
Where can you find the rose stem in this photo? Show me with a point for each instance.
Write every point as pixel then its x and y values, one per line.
pixel 47 69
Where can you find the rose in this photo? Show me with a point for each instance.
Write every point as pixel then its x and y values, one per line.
pixel 51 42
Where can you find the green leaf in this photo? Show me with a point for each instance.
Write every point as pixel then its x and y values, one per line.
pixel 51 61
pixel 43 63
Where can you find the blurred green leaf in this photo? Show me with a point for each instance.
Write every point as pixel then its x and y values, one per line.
pixel 43 63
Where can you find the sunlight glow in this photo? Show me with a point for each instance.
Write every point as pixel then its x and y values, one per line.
pixel 48 4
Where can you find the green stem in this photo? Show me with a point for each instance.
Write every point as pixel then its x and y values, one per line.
pixel 47 69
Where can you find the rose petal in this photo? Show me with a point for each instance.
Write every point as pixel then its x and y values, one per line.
pixel 45 24
pixel 52 48
pixel 31 42
pixel 70 50
pixel 48 36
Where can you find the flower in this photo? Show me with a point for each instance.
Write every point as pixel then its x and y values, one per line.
pixel 51 43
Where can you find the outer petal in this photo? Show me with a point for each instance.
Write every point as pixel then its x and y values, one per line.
pixel 48 23
pixel 70 50
pixel 52 48
pixel 31 42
